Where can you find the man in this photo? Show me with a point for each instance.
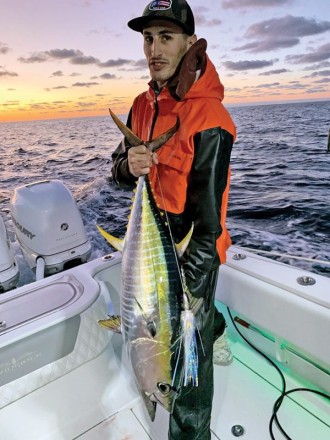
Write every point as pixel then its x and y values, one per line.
pixel 189 176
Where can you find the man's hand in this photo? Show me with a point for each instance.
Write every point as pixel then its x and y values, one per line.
pixel 140 160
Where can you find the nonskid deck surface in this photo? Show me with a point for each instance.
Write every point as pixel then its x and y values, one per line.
pixel 245 392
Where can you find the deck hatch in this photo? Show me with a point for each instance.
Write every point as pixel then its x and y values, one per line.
pixel 37 302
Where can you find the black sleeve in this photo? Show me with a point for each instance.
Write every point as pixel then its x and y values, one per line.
pixel 207 183
pixel 119 171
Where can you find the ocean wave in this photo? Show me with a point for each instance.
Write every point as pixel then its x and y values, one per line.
pixel 280 181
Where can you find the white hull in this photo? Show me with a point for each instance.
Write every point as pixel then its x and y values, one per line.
pixel 57 388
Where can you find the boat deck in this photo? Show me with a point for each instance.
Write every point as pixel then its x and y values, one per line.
pixel 103 404
pixel 245 392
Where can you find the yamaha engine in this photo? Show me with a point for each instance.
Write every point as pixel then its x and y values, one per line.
pixel 49 227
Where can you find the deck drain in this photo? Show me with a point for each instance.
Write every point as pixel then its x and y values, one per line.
pixel 237 430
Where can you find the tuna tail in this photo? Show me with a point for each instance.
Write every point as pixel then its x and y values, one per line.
pixel 156 143
pixel 117 243
pixel 134 140
pixel 131 137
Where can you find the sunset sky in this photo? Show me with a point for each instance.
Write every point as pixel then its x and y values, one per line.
pixel 71 58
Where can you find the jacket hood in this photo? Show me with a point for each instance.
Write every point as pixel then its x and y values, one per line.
pixel 195 77
pixel 208 85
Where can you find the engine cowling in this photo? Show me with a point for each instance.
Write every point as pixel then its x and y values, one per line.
pixel 48 226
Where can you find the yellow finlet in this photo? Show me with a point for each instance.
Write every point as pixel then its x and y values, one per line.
pixel 182 246
pixel 117 243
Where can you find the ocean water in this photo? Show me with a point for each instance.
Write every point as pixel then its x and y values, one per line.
pixel 279 199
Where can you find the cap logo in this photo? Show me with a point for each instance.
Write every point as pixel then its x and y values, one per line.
pixel 160 5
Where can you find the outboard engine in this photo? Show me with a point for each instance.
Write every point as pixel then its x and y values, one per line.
pixel 9 274
pixel 49 227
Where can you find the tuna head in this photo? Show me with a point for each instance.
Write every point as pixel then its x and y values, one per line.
pixel 153 373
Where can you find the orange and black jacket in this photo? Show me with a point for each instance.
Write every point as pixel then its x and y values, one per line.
pixel 191 181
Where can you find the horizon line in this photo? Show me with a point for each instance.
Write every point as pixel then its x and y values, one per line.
pixel 229 105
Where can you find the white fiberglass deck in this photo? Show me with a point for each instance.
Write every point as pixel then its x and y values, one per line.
pixel 95 398
pixel 245 393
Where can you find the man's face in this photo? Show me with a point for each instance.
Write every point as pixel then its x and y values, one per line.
pixel 164 46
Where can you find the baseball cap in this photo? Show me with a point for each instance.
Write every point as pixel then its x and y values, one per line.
pixel 176 11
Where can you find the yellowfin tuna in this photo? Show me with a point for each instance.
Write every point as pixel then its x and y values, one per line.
pixel 152 293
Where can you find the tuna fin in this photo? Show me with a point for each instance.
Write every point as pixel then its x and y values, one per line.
pixel 134 140
pixel 155 144
pixel 113 323
pixel 131 137
pixel 151 326
pixel 182 246
pixel 117 243
pixel 151 406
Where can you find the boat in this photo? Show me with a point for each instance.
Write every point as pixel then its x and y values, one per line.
pixel 63 377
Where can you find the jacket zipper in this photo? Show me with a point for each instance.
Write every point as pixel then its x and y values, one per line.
pixel 154 119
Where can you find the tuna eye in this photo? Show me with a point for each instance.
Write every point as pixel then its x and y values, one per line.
pixel 164 388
